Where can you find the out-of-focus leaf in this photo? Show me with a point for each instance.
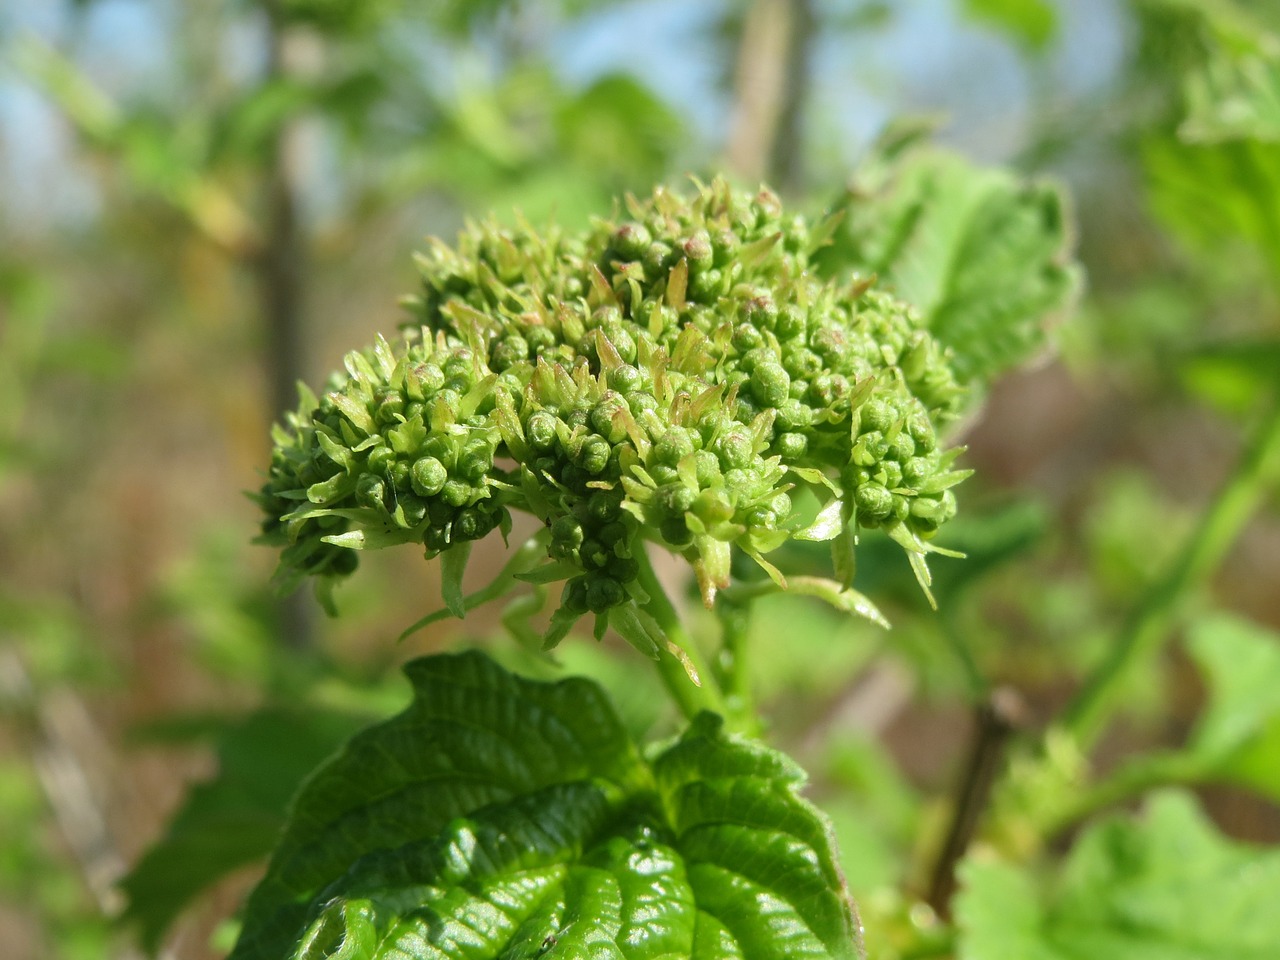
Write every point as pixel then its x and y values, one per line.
pixel 876 811
pixel 248 126
pixel 1220 180
pixel 1030 23
pixel 503 817
pixel 234 818
pixel 1243 27
pixel 1165 886
pixel 618 125
pixel 162 158
pixel 1124 559
pixel 1233 375
pixel 984 256
pixel 340 18
pixel 1239 734
pixel 1212 194
pixel 93 112
pixel 1234 98
pixel 461 17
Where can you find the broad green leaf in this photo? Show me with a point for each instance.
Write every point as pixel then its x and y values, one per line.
pixel 1239 733
pixel 234 818
pixel 999 915
pixel 504 817
pixel 1164 886
pixel 983 256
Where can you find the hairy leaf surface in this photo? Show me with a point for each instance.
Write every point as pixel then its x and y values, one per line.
pixel 504 817
pixel 982 255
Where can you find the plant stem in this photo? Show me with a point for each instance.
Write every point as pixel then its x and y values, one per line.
pixel 771 80
pixel 996 718
pixel 1149 624
pixel 734 666
pixel 690 697
pixel 281 265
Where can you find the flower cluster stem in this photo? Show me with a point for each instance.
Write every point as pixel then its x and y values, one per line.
pixel 735 665
pixel 692 698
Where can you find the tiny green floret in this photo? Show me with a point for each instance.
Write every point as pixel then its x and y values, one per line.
pixel 675 376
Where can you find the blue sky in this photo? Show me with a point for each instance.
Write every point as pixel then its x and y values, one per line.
pixel 926 59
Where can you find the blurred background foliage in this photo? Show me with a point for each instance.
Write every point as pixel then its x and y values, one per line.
pixel 206 200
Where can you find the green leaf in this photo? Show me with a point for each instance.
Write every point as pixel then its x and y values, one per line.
pixel 1031 23
pixel 1239 733
pixel 845 599
pixel 1166 886
pixel 453 565
pixel 827 525
pixel 1234 374
pixel 1234 98
pixel 1210 194
pixel 504 817
pixel 618 125
pixel 234 818
pixel 984 256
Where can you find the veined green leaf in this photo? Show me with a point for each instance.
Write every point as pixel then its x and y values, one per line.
pixel 1166 886
pixel 503 817
pixel 984 256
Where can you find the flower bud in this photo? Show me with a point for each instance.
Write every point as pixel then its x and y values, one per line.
pixel 873 501
pixel 630 241
pixel 428 476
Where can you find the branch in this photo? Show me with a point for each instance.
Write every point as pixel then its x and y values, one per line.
pixel 997 717
pixel 770 83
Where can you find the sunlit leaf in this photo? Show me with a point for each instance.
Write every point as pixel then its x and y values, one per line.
pixel 503 817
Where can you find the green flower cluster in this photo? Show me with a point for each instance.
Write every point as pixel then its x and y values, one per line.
pixel 677 376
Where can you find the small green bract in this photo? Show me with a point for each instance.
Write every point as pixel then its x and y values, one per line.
pixel 678 377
